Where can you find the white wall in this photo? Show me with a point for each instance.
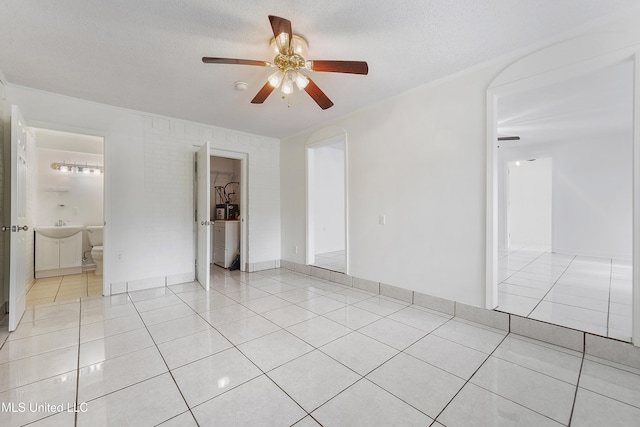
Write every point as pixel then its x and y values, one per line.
pixel 419 158
pixel 81 204
pixel 530 196
pixel 592 194
pixel 4 241
pixel 329 198
pixel 149 185
pixel 593 212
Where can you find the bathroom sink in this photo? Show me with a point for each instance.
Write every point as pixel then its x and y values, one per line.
pixel 58 232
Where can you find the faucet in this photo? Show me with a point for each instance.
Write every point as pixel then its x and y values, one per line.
pixel 59 223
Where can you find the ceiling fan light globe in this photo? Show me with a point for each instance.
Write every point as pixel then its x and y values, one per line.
pixel 276 78
pixel 301 81
pixel 287 87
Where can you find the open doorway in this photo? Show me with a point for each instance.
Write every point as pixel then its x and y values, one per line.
pixel 326 205
pixel 225 211
pixel 228 210
pixel 67 195
pixel 583 120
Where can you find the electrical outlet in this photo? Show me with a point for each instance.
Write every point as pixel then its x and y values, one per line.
pixel 382 219
pixel 119 256
pixel 295 249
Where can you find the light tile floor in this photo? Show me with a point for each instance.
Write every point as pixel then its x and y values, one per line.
pixel 64 288
pixel 585 293
pixel 278 348
pixel 331 261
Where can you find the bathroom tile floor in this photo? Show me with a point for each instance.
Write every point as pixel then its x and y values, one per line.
pixel 278 348
pixel 585 293
pixel 64 288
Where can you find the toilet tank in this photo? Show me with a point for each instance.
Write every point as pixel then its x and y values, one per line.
pixel 95 234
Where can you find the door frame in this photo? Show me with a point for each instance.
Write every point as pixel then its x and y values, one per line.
pixel 106 188
pixel 203 207
pixel 310 224
pixel 512 81
pixel 244 198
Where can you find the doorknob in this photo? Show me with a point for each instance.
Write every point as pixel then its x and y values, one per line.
pixel 5 228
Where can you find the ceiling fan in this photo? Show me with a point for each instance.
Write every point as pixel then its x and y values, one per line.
pixel 290 60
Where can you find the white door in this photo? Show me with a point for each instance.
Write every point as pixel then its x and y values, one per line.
pixel 529 203
pixel 19 229
pixel 202 216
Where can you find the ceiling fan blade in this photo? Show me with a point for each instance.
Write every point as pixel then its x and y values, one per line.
pixel 282 32
pixel 318 95
pixel 263 94
pixel 350 67
pixel 208 60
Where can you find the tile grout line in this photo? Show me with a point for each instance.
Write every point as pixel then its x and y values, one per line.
pixel 244 355
pixel 402 351
pixel 520 270
pixel 233 345
pixel 165 362
pixel 552 286
pixel 354 330
pixel 362 377
pixel 575 396
pixel 471 376
pixel 75 418
pixel 58 290
pixel 490 391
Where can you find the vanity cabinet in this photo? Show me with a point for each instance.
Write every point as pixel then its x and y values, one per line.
pixel 58 256
pixel 226 242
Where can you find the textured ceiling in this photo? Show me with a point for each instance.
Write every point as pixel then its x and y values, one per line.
pixel 146 54
pixel 593 106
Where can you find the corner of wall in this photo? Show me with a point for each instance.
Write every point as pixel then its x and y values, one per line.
pixel 3 129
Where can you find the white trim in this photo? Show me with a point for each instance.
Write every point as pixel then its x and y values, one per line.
pixel 635 315
pixel 347 268
pixel 491 276
pixel 309 165
pixel 310 231
pixel 244 198
pixel 541 79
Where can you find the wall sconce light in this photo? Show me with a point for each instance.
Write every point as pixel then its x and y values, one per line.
pixel 86 169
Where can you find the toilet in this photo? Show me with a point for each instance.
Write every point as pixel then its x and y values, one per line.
pixel 96 234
